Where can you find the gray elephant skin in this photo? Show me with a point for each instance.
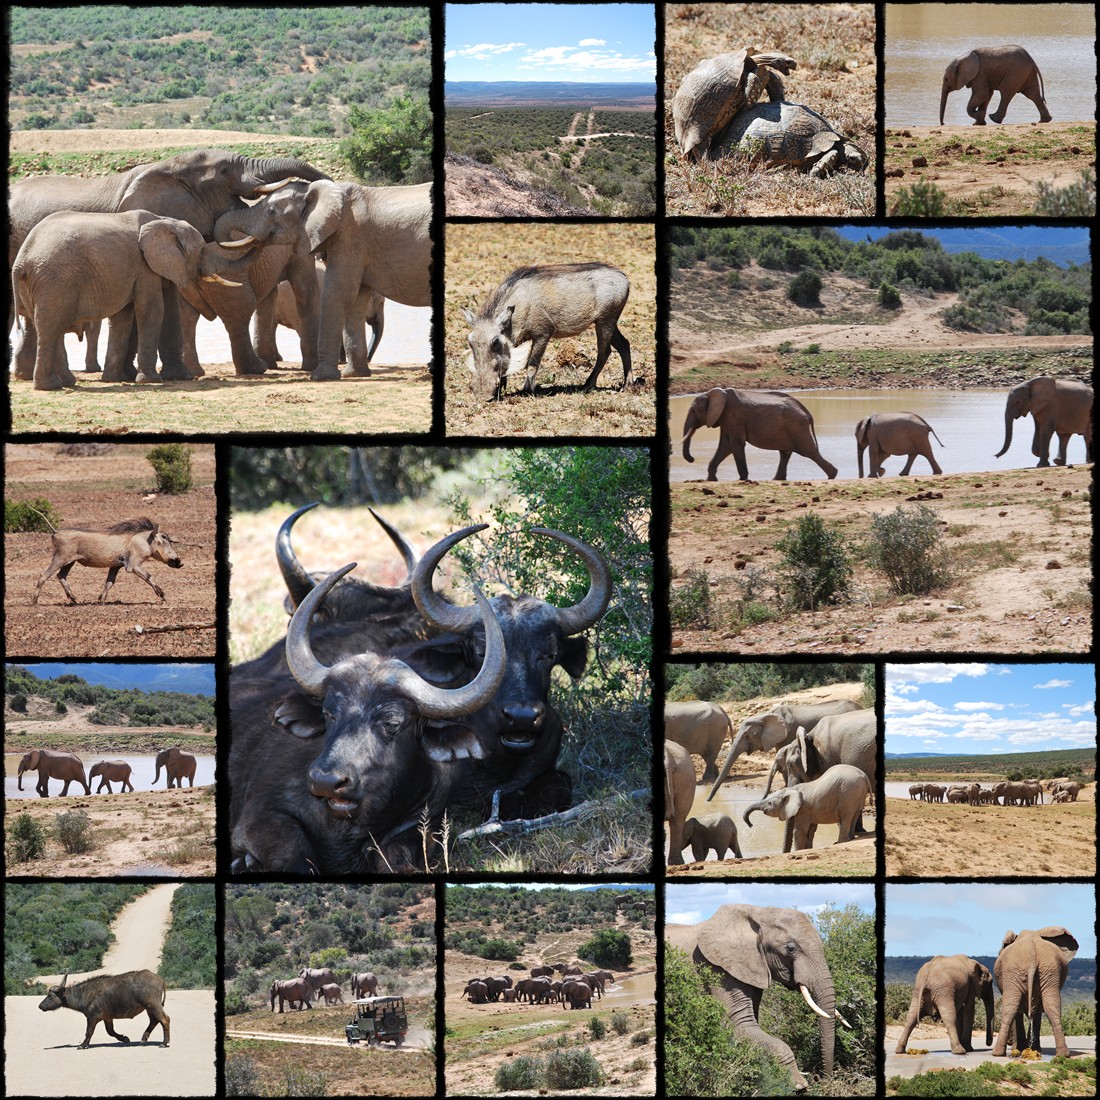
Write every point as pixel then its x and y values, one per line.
pixel 1059 406
pixel 747 947
pixel 900 433
pixel 775 728
pixel 700 727
pixel 1030 971
pixel 195 187
pixel 295 990
pixel 364 984
pixel 111 771
pixel 63 766
pixel 768 419
pixel 951 986
pixel 679 795
pixel 1009 70
pixel 76 268
pixel 711 832
pixel 835 798
pixel 178 766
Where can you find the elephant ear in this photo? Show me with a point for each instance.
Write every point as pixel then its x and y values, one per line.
pixel 716 405
pixel 803 750
pixel 861 429
pixel 1010 937
pixel 1062 939
pixel 168 245
pixel 324 206
pixel 790 804
pixel 969 67
pixel 731 940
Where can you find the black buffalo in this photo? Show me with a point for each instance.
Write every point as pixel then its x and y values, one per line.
pixel 111 997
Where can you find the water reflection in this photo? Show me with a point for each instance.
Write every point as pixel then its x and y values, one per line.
pixel 143 767
pixel 641 989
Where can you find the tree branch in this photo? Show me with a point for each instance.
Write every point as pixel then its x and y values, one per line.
pixel 585 810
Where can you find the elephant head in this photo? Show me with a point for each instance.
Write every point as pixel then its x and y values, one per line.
pixel 981 983
pixel 783 805
pixel 793 762
pixel 704 412
pixel 1036 397
pixel 168 759
pixel 861 442
pixel 29 763
pixel 756 733
pixel 961 73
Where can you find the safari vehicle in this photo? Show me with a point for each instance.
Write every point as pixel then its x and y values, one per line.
pixel 378 1020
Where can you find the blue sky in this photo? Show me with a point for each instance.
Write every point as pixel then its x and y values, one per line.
pixel 197 679
pixel 948 918
pixel 606 43
pixel 981 708
pixel 1023 242
pixel 691 904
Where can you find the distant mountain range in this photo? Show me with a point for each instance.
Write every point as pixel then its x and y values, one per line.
pixel 1080 982
pixel 547 93
pixel 911 755
pixel 1060 245
pixel 190 679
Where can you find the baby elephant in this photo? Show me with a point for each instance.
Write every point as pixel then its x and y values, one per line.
pixel 537 304
pixel 836 798
pixel 716 831
pixel 901 433
pixel 117 771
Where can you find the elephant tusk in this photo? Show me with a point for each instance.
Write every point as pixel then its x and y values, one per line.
pixel 843 1021
pixel 812 1003
pixel 267 188
pixel 218 279
pixel 244 242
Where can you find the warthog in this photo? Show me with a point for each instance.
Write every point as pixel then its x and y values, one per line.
pixel 112 997
pixel 124 545
pixel 537 304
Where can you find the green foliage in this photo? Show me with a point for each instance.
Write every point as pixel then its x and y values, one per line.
pixel 805 289
pixel 922 200
pixel 392 144
pixel 690 603
pixel 610 947
pixel 241 1077
pixel 1078 200
pixel 888 296
pixel 235 1004
pixel 907 546
pixel 948 1082
pixel 1046 765
pixel 303 1082
pixel 814 563
pixel 60 708
pixel 74 831
pixel 18 703
pixel 870 689
pixel 620 1023
pixel 475 942
pixel 26 839
pixel 524 1072
pixel 574 1068
pixel 898 996
pixel 597 1026
pixel 37 514
pixel 190 960
pixel 171 463
pixel 1078 1018
pixel 747 680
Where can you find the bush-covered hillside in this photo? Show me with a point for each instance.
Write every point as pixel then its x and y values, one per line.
pixel 1045 299
pixel 1052 764
pixel 746 681
pixel 190 948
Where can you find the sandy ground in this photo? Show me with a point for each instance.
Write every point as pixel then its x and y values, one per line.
pixel 937 1047
pixel 81 141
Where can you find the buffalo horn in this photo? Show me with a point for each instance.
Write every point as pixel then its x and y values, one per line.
pixel 439 612
pixel 305 668
pixel 581 616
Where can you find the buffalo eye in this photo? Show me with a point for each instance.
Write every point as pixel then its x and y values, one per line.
pixel 388 721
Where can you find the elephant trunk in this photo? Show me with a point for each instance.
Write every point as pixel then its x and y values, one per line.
pixel 824 996
pixel 771 776
pixel 731 756
pixel 751 810
pixel 272 169
pixel 689 431
pixel 1008 430
pixel 987 1000
pixel 943 98
pixel 19 778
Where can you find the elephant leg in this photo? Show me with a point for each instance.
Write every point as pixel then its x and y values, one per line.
pixel 50 365
pixel 65 788
pixel 189 319
pixel 173 368
pixel 979 100
pixel 723 451
pixel 355 337
pixel 1037 1024
pixel 927 453
pixel 62 577
pixel 246 363
pixel 1032 89
pixel 781 470
pixel 1007 96
pixel 908 464
pixel 338 295
pixel 1010 1000
pixel 620 343
pixel 534 361
pixel 91 352
pixel 150 316
pixel 263 329
pixel 675 841
pixel 119 363
pixel 1040 446
pixel 1063 447
pixel 911 1020
pixel 1053 1009
pixel 25 356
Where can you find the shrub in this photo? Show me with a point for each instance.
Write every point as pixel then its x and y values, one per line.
pixel 572 1069
pixel 805 289
pixel 870 689
pixel 19 702
pixel 608 948
pixel 692 602
pixel 171 463
pixel 74 831
pixel 640 1038
pixel 235 1004
pixel 30 515
pixel 1078 1018
pixel 60 707
pixel 907 546
pixel 301 1082
pixel 814 563
pixel 390 144
pixel 597 1026
pixel 1078 200
pixel 888 296
pixel 523 1072
pixel 922 200
pixel 947 1082
pixel 241 1077
pixel 898 996
pixel 620 1022
pixel 26 839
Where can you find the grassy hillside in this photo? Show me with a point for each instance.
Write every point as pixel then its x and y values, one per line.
pixel 1046 765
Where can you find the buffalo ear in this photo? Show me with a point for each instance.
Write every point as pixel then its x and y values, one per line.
pixel 301 716
pixel 574 656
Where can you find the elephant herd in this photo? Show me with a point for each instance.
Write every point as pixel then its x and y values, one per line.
pixel 152 248
pixel 775 421
pixel 68 768
pixel 1006 793
pixel 317 984
pixel 573 988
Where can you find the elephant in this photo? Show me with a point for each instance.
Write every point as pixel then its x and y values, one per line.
pixel 700 727
pixel 571 971
pixel 80 267
pixel 769 419
pixel 900 433
pixel 679 795
pixel 1069 788
pixel 332 994
pixel 537 988
pixel 916 792
pixel 747 947
pixel 1030 970
pixel 196 187
pixel 594 982
pixel 541 971
pixel 1061 797
pixel 933 792
pixel 477 992
pixel 295 990
pixel 523 988
pixel 577 994
pixel 178 766
pixel 509 996
pixel 957 794
pixel 1009 70
pixel 717 831
pixel 837 797
pixel 317 977
pixel 111 770
pixel 496 986
pixel 64 766
pixel 950 986
pixel 775 728
pixel 974 794
pixel 1059 406
pixel 364 984
pixel 1014 793
pixel 624 899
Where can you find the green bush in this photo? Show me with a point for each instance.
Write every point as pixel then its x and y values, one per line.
pixel 805 289
pixel 171 463
pixel 888 296
pixel 898 996
pixel 37 514
pixel 948 1082
pixel 26 839
pixel 867 678
pixel 1078 200
pixel 1078 1018
pixel 302 1082
pixel 74 831
pixel 60 708
pixel 691 603
pixel 907 545
pixel 19 702
pixel 922 200
pixel 608 948
pixel 235 1004
pixel 597 1026
pixel 572 1069
pixel 523 1072
pixel 814 564
pixel 391 144
pixel 640 1038
pixel 241 1077
pixel 620 1022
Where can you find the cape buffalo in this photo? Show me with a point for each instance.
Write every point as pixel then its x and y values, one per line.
pixel 111 997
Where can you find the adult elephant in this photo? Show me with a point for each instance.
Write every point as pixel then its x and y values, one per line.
pixel 178 766
pixel 711 831
pixel 1014 793
pixel 836 798
pixel 700 727
pixel 957 794
pixel 916 792
pixel 744 948
pixel 577 994
pixel 775 728
pixel 1031 970
pixel 293 990
pixel 364 984
pixel 111 771
pixel 1010 70
pixel 541 971
pixel 1059 406
pixel 679 795
pixel 63 766
pixel 1069 788
pixel 537 988
pixel 523 988
pixel 196 187
pixel 900 433
pixel 317 977
pixel 477 992
pixel 950 986
pixel 933 792
pixel 769 419
pixel 974 794
pixel 496 986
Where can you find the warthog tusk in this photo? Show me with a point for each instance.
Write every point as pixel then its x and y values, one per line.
pixel 218 279
pixel 812 1003
pixel 242 243
pixel 267 188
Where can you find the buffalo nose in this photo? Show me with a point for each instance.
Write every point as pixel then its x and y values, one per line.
pixel 525 715
pixel 327 784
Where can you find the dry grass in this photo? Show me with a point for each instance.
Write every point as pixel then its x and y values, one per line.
pixel 479 257
pixel 834 45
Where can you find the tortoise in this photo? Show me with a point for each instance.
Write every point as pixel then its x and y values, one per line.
pixel 791 134
pixel 718 88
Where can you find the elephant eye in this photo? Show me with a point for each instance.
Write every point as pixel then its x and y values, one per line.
pixel 791 948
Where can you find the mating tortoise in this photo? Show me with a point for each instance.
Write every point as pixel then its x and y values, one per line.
pixel 791 134
pixel 718 88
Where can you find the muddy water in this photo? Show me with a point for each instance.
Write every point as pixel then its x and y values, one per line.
pixel 922 38
pixel 144 767
pixel 971 425
pixel 641 989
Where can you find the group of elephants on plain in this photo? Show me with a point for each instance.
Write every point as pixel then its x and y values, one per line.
pixel 825 752
pixel 319 984
pixel 775 421
pixel 67 768
pixel 1030 971
pixel 1026 792
pixel 573 987
pixel 152 248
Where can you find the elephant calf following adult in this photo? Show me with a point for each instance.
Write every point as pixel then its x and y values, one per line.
pixel 1010 70
pixel 951 986
pixel 111 771
pixel 900 433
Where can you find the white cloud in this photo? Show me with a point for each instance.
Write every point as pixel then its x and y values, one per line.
pixel 1054 684
pixel 483 51
pixel 556 60
pixel 592 42
pixel 689 916
pixel 936 673
pixel 1088 708
pixel 979 706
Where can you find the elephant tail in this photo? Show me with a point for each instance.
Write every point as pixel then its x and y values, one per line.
pixel 932 431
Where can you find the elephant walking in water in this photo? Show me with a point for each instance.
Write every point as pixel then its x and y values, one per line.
pixel 1010 70
pixel 117 771
pixel 1059 406
pixel 951 986
pixel 679 795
